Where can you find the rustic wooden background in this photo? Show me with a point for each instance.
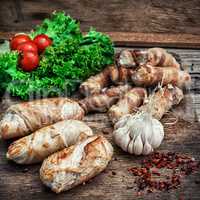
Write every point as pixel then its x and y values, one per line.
pixel 173 23
pixel 155 16
pixel 130 23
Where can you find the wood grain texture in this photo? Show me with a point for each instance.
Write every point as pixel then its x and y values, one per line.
pixel 143 16
pixel 22 182
pixel 131 39
pixel 172 24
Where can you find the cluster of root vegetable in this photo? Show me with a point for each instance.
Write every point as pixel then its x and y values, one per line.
pixel 52 132
pixel 136 114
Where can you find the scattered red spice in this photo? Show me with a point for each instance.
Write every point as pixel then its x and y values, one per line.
pixel 179 165
pixel 155 171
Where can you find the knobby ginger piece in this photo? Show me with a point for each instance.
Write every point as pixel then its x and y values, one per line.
pixel 132 58
pixel 102 102
pixel 162 101
pixel 76 164
pixel 24 118
pixel 153 56
pixel 126 58
pixel 148 75
pixel 160 57
pixel 126 105
pixel 37 146
pixel 96 83
pixel 109 75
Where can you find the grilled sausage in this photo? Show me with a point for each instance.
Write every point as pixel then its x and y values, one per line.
pixel 40 144
pixel 74 165
pixel 24 118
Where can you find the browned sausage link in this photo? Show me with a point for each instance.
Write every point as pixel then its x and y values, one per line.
pixel 148 76
pixel 126 105
pixel 102 102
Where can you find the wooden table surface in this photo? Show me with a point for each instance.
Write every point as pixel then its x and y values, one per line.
pixel 130 23
pixel 22 182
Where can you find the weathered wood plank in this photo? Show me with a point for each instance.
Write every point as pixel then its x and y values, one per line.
pixel 141 23
pixel 155 39
pixel 115 15
pixel 186 41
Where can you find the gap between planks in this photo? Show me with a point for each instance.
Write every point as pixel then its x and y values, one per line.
pixel 131 39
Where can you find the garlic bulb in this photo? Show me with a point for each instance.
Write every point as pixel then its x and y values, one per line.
pixel 138 134
pixel 141 133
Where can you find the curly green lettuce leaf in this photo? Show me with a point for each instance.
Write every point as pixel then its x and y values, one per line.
pixel 59 27
pixel 104 43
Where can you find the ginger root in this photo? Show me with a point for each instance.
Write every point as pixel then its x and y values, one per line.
pixel 153 56
pixel 94 84
pixel 109 75
pixel 102 102
pixel 161 101
pixel 126 105
pixel 160 57
pixel 148 75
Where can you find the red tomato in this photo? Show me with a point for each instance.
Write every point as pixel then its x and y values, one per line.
pixel 27 46
pixel 18 39
pixel 42 41
pixel 29 61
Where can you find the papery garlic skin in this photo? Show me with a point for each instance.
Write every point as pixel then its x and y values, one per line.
pixel 138 134
pixel 142 132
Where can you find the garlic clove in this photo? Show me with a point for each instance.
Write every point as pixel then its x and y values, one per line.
pixel 122 121
pixel 138 146
pixel 157 134
pixel 131 147
pixel 118 135
pixel 138 134
pixel 147 149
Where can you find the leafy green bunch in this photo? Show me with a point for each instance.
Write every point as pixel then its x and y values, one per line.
pixel 71 59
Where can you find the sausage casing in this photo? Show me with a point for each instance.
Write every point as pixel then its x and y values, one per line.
pixel 45 141
pixel 24 118
pixel 74 165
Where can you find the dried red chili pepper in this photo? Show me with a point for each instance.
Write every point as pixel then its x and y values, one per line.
pixel 178 164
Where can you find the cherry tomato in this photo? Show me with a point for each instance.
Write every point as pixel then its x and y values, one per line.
pixel 18 39
pixel 42 41
pixel 29 61
pixel 27 46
